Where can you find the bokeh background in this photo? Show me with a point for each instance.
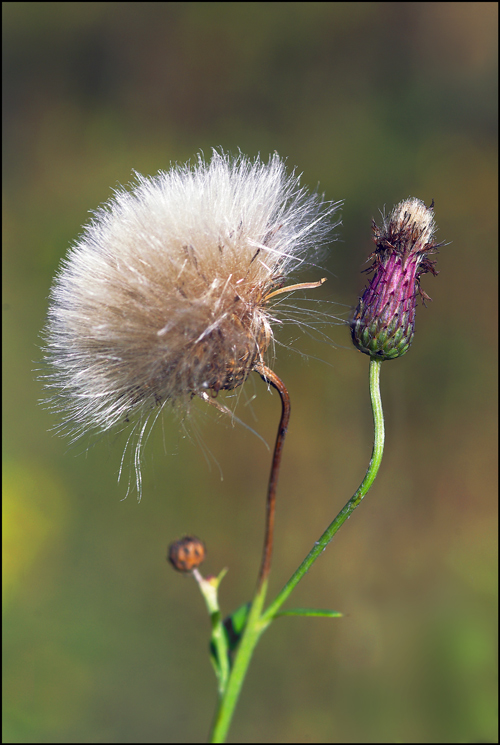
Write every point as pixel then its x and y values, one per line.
pixel 372 102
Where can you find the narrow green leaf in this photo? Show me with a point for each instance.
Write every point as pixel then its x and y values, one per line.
pixel 319 612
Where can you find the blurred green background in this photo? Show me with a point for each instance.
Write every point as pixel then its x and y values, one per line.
pixel 374 102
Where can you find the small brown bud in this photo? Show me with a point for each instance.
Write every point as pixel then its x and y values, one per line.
pixel 187 553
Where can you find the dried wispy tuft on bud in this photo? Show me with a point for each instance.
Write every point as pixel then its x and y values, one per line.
pixel 384 321
pixel 165 295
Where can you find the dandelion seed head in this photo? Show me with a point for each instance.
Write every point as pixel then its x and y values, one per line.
pixel 164 295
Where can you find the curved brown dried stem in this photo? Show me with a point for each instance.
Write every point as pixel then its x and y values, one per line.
pixel 270 377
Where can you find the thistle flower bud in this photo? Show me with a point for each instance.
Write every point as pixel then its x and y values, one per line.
pixel 383 324
pixel 165 296
pixel 187 553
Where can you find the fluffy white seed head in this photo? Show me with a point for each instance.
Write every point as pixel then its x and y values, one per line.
pixel 165 294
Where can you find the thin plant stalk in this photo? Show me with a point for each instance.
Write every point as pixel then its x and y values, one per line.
pixel 268 376
pixel 257 621
pixel 229 698
pixel 254 627
pixel 348 509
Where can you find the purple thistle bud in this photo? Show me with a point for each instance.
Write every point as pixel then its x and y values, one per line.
pixel 384 320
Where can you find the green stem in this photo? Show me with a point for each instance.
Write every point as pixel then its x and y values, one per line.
pixel 220 656
pixel 220 644
pixel 257 621
pixel 348 509
pixel 227 702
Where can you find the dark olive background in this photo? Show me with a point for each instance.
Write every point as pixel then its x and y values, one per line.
pixel 373 102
